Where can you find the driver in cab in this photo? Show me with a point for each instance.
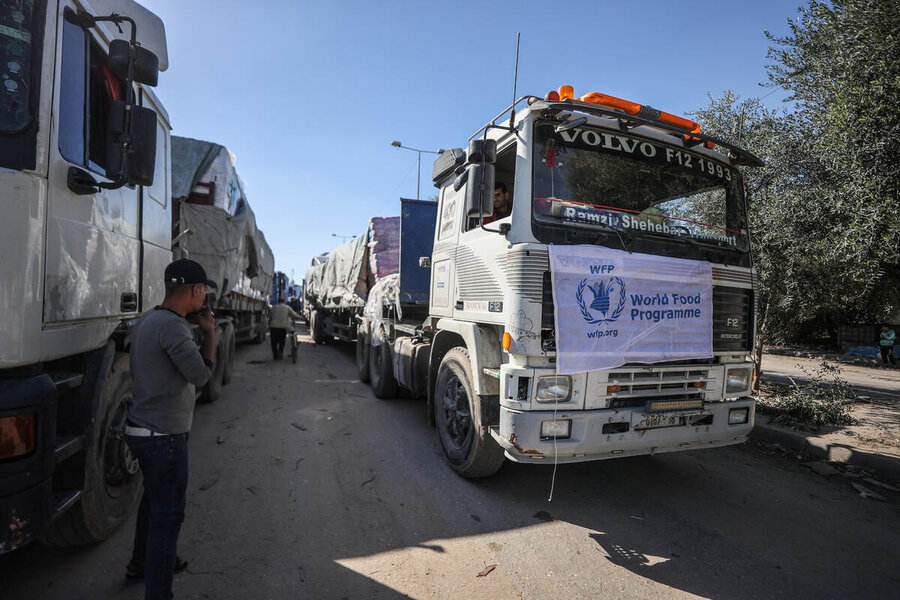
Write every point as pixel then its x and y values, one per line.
pixel 502 206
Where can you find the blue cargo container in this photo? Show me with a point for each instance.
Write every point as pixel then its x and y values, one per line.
pixel 417 218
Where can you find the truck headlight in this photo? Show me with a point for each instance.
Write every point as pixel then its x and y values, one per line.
pixel 553 388
pixel 737 380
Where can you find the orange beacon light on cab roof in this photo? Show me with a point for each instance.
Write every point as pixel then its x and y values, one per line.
pixel 565 92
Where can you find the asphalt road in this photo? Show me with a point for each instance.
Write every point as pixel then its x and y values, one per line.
pixel 871 381
pixel 316 489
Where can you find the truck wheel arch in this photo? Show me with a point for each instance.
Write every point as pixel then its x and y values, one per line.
pixel 483 346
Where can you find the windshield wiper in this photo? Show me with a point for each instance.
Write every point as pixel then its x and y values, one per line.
pixel 595 238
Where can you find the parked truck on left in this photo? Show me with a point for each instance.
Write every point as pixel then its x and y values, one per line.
pixel 85 236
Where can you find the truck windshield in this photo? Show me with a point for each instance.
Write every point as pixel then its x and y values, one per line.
pixel 17 21
pixel 587 178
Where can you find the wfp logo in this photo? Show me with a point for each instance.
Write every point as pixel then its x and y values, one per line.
pixel 597 307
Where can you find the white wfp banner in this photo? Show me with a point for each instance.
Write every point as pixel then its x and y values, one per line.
pixel 613 308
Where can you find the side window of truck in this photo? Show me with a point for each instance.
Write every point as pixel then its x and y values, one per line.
pixel 87 88
pixel 505 174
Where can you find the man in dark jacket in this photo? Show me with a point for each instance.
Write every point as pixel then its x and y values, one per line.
pixel 166 365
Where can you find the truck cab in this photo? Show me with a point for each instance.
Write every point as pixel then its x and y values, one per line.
pixel 591 171
pixel 84 192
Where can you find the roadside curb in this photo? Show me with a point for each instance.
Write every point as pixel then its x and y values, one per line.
pixel 887 465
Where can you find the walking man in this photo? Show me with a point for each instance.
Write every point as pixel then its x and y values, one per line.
pixel 888 337
pixel 279 323
pixel 166 365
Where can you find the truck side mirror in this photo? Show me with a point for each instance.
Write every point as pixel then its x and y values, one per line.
pixel 481 156
pixel 483 151
pixel 480 190
pixel 146 64
pixel 131 143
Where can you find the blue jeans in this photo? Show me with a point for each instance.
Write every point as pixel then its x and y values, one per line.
pixel 164 463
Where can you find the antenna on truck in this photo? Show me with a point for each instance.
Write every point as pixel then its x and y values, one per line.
pixel 512 112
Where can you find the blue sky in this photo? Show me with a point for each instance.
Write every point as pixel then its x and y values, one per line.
pixel 308 96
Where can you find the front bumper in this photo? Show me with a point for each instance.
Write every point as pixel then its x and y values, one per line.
pixel 24 516
pixel 519 432
pixel 25 482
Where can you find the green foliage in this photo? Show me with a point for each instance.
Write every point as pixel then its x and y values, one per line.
pixel 821 402
pixel 824 210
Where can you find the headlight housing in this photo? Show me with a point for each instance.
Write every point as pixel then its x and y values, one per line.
pixel 737 381
pixel 560 430
pixel 553 388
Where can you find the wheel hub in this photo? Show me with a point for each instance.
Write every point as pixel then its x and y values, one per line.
pixel 119 464
pixel 457 418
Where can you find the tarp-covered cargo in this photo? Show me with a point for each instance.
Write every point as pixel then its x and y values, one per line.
pixel 231 249
pixel 204 173
pixel 384 247
pixel 344 275
pixel 343 281
pixel 210 202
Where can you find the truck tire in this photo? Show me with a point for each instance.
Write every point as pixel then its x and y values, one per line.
pixel 381 371
pixel 468 447
pixel 112 477
pixel 362 356
pixel 261 329
pixel 213 388
pixel 228 335
pixel 317 327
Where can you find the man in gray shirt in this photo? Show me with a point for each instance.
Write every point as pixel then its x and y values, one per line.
pixel 166 365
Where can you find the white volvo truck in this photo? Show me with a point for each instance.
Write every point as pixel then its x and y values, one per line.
pixel 86 218
pixel 604 177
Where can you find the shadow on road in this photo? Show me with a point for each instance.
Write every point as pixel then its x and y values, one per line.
pixel 323 491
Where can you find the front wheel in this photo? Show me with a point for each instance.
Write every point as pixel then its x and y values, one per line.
pixel 467 445
pixel 112 477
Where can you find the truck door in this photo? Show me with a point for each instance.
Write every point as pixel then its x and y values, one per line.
pixel 92 246
pixel 443 255
pixel 481 254
pixel 156 215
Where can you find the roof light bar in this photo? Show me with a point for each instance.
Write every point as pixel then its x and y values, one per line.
pixel 566 92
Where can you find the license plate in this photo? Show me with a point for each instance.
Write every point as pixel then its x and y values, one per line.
pixel 657 422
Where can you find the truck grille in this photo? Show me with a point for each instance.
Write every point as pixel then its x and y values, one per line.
pixel 636 387
pixel 732 318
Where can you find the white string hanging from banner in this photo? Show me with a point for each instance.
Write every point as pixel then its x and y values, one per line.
pixel 555 449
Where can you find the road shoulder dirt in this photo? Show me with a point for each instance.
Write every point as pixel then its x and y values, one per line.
pixel 873 443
